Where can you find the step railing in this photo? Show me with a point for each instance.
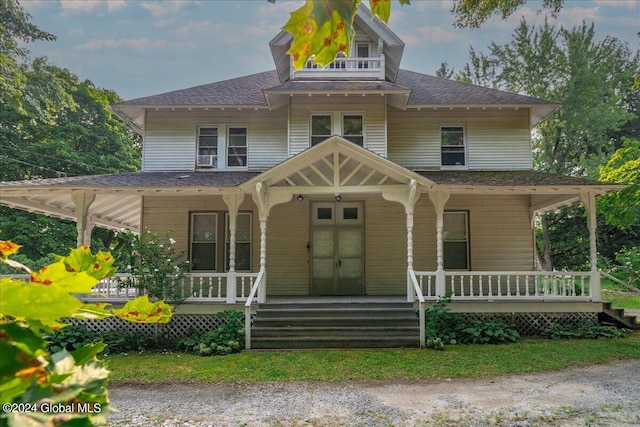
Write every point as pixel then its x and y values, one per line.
pixel 417 290
pixel 525 285
pixel 260 279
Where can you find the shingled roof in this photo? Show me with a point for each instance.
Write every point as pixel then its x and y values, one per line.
pixel 419 90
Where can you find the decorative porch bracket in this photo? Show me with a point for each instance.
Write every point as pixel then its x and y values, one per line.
pixel 265 201
pixel 84 225
pixel 408 199
pixel 233 202
pixel 588 199
pixel 439 198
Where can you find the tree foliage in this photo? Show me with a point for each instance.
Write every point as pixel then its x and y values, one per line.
pixel 38 388
pixel 622 208
pixel 592 81
pixel 473 13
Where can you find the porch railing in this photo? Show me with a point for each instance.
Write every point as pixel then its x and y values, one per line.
pixel 345 67
pixel 197 287
pixel 528 285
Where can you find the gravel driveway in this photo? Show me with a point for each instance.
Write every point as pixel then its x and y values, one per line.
pixel 601 395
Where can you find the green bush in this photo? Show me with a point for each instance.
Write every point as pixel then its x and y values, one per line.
pixel 71 338
pixel 123 341
pixel 587 330
pixel 227 339
pixel 444 327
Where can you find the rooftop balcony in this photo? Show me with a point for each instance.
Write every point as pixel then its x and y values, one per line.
pixel 344 68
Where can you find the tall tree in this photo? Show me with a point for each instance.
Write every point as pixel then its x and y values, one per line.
pixel 591 79
pixel 51 125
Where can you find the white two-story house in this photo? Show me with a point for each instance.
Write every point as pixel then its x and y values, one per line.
pixel 356 180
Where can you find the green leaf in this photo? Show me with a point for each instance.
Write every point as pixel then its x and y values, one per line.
pixel 141 310
pixel 87 352
pixel 321 29
pixel 28 300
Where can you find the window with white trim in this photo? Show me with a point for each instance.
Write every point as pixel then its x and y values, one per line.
pixel 363 51
pixel 207 147
pixel 243 241
pixel 321 127
pixel 204 229
pixel 348 124
pixel 237 147
pixel 353 128
pixel 455 236
pixel 453 148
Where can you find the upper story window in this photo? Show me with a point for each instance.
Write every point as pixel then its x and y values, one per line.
pixel 453 146
pixel 321 128
pixel 349 125
pixel 208 147
pixel 228 141
pixel 237 147
pixel 353 128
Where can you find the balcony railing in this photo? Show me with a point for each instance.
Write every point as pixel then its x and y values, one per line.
pixel 505 285
pixel 372 68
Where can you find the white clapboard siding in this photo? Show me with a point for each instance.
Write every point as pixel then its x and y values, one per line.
pixel 496 139
pixel 372 107
pixel 170 136
pixel 385 248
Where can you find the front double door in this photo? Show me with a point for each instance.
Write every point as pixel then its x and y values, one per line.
pixel 337 248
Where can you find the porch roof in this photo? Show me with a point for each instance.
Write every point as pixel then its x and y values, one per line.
pixel 118 197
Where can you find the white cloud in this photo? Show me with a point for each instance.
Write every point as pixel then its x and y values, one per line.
pixel 76 31
pixel 162 9
pixel 72 7
pixel 141 45
pixel 624 4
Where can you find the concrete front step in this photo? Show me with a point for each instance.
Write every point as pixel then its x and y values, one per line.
pixel 332 341
pixel 335 325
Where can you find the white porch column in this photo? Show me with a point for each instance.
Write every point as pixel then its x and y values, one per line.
pixel 439 199
pixel 84 225
pixel 265 201
pixel 408 199
pixel 233 202
pixel 589 201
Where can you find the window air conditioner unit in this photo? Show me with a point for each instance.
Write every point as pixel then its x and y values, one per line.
pixel 206 161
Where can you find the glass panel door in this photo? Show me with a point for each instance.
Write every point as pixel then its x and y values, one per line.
pixel 337 248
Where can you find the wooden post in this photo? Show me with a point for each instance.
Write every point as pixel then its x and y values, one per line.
pixel 84 225
pixel 589 201
pixel 233 202
pixel 439 199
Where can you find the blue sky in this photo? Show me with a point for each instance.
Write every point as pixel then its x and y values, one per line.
pixel 139 48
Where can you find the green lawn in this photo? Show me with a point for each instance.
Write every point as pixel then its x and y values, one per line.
pixel 619 295
pixel 470 361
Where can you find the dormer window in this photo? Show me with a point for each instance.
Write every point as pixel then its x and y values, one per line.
pixel 453 147
pixel 363 51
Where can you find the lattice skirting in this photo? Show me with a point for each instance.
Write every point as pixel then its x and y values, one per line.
pixel 179 326
pixel 532 324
